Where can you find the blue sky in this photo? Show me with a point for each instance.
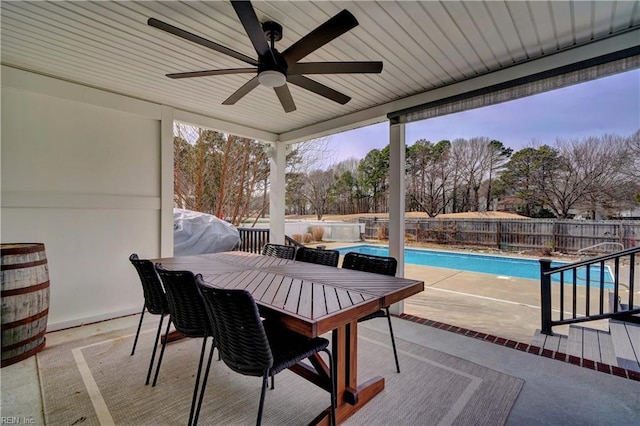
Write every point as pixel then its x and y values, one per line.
pixel 606 105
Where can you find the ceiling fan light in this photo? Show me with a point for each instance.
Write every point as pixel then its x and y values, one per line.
pixel 272 78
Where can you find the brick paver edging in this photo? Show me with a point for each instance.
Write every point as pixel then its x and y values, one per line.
pixel 524 347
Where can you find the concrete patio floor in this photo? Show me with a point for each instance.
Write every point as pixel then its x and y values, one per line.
pixel 554 393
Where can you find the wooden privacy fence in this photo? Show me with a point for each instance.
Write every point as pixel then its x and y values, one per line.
pixel 566 236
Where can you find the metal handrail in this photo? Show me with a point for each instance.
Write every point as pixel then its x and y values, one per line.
pixel 608 243
pixel 547 271
pixel 290 241
pixel 253 239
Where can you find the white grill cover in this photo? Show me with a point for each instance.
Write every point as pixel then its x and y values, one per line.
pixel 197 233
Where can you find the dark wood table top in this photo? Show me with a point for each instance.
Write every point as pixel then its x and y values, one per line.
pixel 311 299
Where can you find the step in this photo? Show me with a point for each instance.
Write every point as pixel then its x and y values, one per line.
pixel 555 343
pixel 619 347
pixel 592 344
pixel 626 343
pixel 581 342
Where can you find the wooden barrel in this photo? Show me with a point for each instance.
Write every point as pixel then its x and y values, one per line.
pixel 25 300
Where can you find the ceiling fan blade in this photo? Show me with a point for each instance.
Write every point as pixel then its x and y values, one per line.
pixel 320 89
pixel 238 94
pixel 335 68
pixel 201 41
pixel 285 98
pixel 247 16
pixel 211 72
pixel 334 27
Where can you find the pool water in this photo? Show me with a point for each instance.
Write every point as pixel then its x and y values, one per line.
pixel 497 265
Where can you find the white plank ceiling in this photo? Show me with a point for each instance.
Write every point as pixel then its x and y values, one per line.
pixel 423 45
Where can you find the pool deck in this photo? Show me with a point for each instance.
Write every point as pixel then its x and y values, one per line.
pixel 506 307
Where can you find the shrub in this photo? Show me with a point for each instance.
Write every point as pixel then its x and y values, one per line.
pixel 307 238
pixel 297 237
pixel 317 232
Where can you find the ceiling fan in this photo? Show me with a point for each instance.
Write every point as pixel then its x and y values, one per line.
pixel 275 69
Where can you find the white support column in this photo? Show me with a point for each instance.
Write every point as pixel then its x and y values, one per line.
pixel 277 190
pixel 166 181
pixel 396 200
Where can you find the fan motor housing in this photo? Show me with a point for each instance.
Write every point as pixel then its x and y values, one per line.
pixel 266 63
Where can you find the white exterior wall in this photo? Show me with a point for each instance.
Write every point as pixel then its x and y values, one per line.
pixel 82 172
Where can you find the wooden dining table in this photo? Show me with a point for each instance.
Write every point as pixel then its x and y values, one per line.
pixel 312 300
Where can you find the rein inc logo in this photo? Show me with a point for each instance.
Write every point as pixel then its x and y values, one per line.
pixel 17 420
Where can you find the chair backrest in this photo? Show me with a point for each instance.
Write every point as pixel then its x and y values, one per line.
pixel 185 304
pixel 319 256
pixel 155 299
pixel 279 250
pixel 237 329
pixel 370 263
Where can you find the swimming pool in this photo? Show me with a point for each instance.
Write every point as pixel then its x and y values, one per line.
pixel 488 264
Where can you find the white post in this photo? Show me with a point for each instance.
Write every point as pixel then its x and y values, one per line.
pixel 396 200
pixel 166 181
pixel 277 164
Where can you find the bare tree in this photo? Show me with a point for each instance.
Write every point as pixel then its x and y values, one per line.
pixel 633 146
pixel 218 173
pixel 464 173
pixel 317 190
pixel 346 189
pixel 426 182
pixel 195 168
pixel 586 170
pixel 313 154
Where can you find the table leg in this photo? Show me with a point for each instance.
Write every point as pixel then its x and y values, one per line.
pixel 351 396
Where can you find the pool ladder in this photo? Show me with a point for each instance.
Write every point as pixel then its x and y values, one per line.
pixel 618 246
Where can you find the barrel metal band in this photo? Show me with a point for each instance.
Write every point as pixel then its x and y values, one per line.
pixel 10 325
pixel 24 265
pixel 25 290
pixel 27 249
pixel 25 355
pixel 16 345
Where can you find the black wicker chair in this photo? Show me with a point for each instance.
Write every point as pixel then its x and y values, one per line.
pixel 279 250
pixel 189 318
pixel 379 265
pixel 252 347
pixel 318 255
pixel 155 301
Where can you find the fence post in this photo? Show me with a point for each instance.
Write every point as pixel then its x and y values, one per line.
pixel 545 296
pixel 621 234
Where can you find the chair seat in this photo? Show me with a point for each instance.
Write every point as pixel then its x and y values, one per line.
pixel 378 314
pixel 288 347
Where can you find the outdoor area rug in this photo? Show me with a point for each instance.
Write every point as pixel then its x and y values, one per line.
pixel 96 382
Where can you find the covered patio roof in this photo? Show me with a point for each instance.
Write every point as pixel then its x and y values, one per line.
pixel 88 113
pixel 430 51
